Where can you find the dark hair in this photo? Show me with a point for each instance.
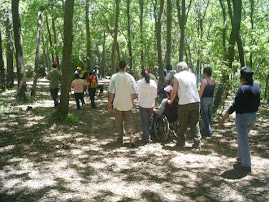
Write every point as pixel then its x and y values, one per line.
pixel 208 71
pixel 145 74
pixel 77 76
pixel 122 64
pixel 168 67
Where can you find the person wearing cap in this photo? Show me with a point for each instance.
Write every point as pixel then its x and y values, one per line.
pixel 185 87
pixel 122 91
pixel 95 72
pixel 206 94
pixel 55 79
pixel 147 92
pixel 246 104
pixel 173 116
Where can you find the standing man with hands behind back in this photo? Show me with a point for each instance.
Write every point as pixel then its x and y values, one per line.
pixel 123 88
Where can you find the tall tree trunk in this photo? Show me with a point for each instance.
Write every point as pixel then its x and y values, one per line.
pixel 114 48
pixel 2 65
pixel 235 16
pixel 67 62
pixel 141 15
pixel 129 36
pixel 38 34
pixel 55 41
pixel 21 90
pixel 9 54
pixel 224 28
pixel 158 33
pixel 88 35
pixel 252 27
pixel 182 20
pixel 50 40
pixel 169 28
pixel 102 69
pixel 45 56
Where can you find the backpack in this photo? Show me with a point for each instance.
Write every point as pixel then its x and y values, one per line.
pixel 93 82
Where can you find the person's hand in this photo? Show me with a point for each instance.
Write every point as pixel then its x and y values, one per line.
pixel 109 107
pixel 221 122
pixel 169 102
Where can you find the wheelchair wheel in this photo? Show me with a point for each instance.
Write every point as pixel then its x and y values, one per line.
pixel 161 128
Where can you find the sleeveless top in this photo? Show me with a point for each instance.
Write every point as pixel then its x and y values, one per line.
pixel 209 90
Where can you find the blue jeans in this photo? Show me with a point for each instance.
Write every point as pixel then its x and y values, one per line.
pixel 145 114
pixel 244 123
pixel 206 108
pixel 54 95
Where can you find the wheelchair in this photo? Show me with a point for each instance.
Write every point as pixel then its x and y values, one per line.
pixel 162 129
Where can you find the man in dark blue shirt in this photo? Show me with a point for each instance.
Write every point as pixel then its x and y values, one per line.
pixel 246 103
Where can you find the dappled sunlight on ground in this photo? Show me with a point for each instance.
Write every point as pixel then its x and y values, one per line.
pixel 44 159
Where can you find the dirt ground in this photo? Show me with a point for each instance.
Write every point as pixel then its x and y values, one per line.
pixel 44 159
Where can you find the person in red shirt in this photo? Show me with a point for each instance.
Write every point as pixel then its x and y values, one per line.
pixel 93 83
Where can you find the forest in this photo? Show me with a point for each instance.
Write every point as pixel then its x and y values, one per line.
pixel 65 154
pixel 222 34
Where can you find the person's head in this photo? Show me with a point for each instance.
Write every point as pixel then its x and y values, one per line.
pixel 78 68
pixel 246 75
pixel 122 64
pixel 96 67
pixel 54 64
pixel 145 74
pixel 207 71
pixel 182 66
pixel 168 67
pixel 168 90
pixel 76 76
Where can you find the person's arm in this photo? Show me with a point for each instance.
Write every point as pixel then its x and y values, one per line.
pixel 174 92
pixel 226 115
pixel 202 88
pixel 110 98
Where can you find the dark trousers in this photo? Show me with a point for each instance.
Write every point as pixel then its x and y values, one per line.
pixel 92 92
pixel 54 95
pixel 188 114
pixel 78 97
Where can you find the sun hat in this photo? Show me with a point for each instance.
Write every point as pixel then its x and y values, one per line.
pixel 168 89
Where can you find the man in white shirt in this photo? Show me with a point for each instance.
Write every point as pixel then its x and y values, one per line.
pixel 122 89
pixel 185 86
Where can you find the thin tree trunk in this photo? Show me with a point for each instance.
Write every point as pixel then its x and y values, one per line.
pixel 67 62
pixel 169 28
pixel 182 20
pixel 45 56
pixel 55 41
pixel 39 21
pixel 129 36
pixel 252 27
pixel 114 48
pixel 102 69
pixel 141 15
pixel 88 35
pixel 50 40
pixel 158 33
pixel 2 65
pixel 9 54
pixel 21 90
pixel 224 28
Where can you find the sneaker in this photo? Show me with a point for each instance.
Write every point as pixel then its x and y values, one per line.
pixel 242 168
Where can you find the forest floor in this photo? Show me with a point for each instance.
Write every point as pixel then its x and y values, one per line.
pixel 44 159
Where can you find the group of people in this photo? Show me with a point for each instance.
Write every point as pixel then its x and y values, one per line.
pixel 183 91
pixel 86 81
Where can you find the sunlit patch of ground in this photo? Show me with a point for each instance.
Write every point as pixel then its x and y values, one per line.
pixel 44 159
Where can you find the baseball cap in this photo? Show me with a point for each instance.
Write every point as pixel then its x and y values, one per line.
pixel 168 89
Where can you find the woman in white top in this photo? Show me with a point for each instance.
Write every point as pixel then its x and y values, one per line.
pixel 147 92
